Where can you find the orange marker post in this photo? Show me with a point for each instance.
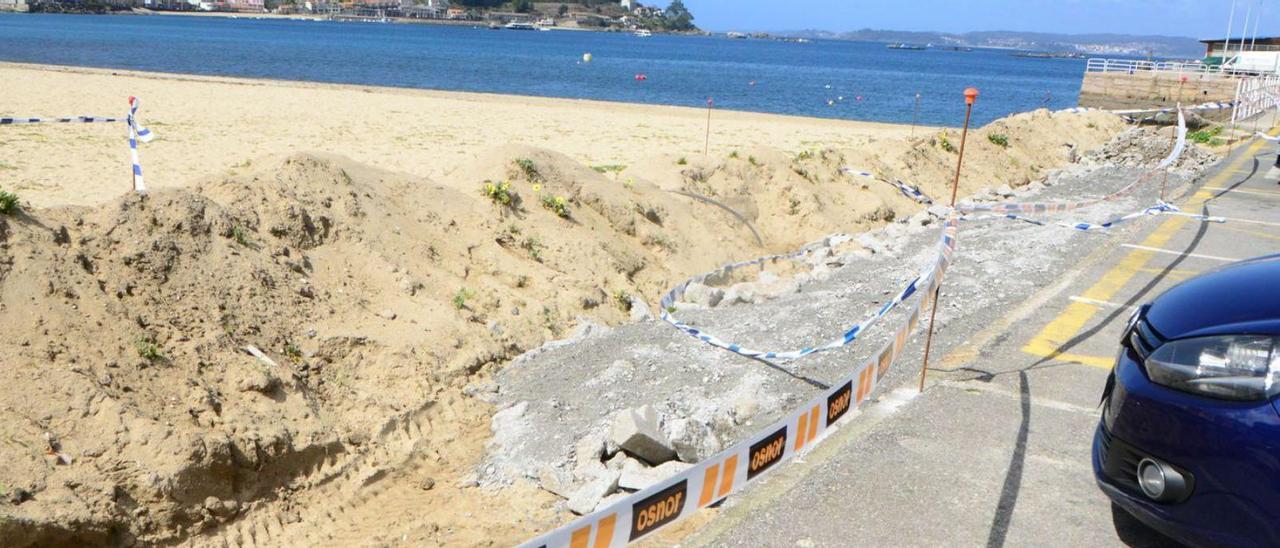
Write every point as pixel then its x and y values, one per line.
pixel 970 97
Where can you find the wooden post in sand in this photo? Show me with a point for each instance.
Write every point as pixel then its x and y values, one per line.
pixel 706 145
pixel 915 116
pixel 970 97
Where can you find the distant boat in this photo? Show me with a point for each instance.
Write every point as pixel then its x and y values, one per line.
pixel 956 48
pixel 519 25
pixel 494 26
pixel 737 35
pixel 644 33
pixel 546 23
pixel 913 47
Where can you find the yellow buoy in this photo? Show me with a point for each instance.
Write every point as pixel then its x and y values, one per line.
pixel 586 58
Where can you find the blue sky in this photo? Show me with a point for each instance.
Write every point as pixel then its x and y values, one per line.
pixel 1194 18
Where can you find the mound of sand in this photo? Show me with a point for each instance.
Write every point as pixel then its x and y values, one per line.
pixel 132 411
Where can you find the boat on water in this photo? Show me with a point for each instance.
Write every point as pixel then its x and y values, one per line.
pixel 519 25
pixel 644 33
pixel 494 26
pixel 546 24
pixel 906 46
pixel 737 35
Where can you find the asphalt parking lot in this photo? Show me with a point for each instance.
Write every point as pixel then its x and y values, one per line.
pixel 996 451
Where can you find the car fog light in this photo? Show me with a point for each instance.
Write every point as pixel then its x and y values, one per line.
pixel 1151 479
pixel 1160 482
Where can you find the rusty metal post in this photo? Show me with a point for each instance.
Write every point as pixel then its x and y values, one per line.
pixel 970 97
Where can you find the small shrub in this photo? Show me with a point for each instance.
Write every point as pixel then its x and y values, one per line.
pixel 753 161
pixel 1091 125
pixel 998 139
pixel 1206 136
pixel 149 350
pixel 499 193
pixel 534 247
pixel 682 161
pixel 804 155
pixel 241 236
pixel 944 143
pixel 293 352
pixel 734 155
pixel 622 299
pixel 460 298
pixel 530 171
pixel 522 281
pixel 557 204
pixel 9 203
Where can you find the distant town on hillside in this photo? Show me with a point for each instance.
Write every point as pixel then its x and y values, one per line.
pixel 524 14
pixel 1090 44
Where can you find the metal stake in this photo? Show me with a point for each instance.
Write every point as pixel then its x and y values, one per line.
pixel 915 116
pixel 706 146
pixel 970 96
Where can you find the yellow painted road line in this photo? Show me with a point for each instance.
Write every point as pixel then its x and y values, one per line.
pixel 1071 321
pixel 1181 253
pixel 1175 274
pixel 1110 304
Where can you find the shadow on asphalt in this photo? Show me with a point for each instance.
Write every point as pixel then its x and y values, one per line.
pixel 1129 530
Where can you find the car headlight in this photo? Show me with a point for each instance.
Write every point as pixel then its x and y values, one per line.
pixel 1236 367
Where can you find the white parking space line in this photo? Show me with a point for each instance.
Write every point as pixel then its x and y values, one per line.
pixel 1246 221
pixel 1242 191
pixel 1172 252
pixel 1097 302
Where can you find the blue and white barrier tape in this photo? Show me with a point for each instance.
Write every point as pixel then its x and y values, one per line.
pixel 77 119
pixel 135 133
pixel 850 335
pixel 712 480
pixel 907 190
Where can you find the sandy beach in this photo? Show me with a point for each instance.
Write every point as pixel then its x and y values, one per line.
pixel 387 250
pixel 208 124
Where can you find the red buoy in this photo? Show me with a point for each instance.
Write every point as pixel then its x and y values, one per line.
pixel 641 77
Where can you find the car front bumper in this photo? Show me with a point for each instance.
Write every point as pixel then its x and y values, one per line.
pixel 1230 449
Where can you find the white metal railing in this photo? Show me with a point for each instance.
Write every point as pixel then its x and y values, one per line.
pixel 1131 66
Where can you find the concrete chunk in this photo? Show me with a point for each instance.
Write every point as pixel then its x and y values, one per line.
pixel 636 478
pixel 588 497
pixel 636 432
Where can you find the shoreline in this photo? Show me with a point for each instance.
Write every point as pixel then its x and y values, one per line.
pixel 443 93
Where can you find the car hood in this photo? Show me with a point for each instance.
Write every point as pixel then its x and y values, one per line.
pixel 1240 299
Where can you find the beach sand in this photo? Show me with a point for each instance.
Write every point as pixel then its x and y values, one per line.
pixel 207 124
pixel 346 232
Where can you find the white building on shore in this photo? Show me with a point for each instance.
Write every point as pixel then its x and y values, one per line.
pixel 13 5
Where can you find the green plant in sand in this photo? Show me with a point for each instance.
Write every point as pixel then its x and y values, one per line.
pixel 9 203
pixel 500 193
pixel 557 204
pixel 460 298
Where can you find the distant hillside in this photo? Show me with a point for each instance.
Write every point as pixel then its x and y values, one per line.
pixel 1099 44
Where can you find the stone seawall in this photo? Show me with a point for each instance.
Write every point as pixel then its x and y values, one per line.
pixel 1115 90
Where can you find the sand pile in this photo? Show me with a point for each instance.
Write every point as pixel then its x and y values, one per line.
pixel 383 302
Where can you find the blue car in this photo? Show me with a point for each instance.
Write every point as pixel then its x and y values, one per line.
pixel 1189 441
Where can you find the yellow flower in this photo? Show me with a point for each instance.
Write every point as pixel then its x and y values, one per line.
pixel 537 187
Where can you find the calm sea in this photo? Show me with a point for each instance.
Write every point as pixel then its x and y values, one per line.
pixel 876 83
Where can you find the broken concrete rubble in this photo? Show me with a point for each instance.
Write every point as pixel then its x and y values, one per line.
pixel 641 478
pixel 637 432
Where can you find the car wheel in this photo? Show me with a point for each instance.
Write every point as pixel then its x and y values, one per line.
pixel 1134 533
